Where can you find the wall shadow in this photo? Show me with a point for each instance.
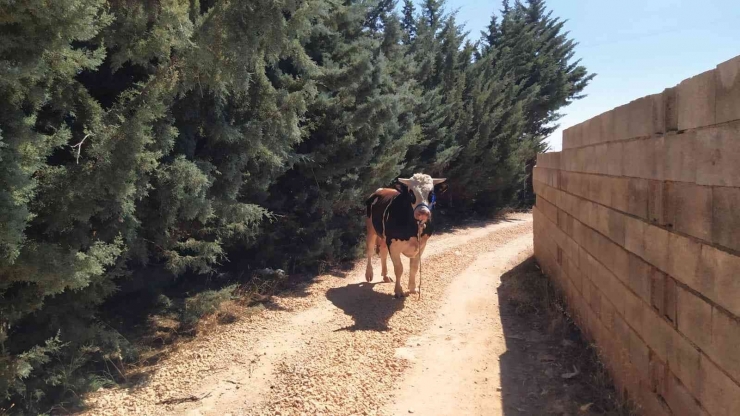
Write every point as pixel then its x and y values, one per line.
pixel 544 350
pixel 371 310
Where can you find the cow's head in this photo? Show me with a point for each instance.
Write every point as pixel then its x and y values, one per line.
pixel 420 190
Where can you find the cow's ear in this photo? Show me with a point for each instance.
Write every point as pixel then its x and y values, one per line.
pixel 399 186
pixel 438 181
pixel 440 188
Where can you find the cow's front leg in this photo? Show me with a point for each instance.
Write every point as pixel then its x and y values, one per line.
pixel 415 263
pixel 384 263
pixel 395 252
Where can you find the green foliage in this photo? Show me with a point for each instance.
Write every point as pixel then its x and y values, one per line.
pixel 150 146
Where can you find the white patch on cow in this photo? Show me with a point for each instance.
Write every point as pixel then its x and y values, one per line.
pixel 421 185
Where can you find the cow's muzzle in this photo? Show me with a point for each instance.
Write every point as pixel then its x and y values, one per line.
pixel 422 213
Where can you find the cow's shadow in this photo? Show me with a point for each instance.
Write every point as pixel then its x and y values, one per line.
pixel 370 310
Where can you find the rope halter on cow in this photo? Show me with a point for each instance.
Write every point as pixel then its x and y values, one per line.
pixel 420 230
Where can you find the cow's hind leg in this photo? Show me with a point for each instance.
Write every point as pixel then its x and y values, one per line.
pixel 384 263
pixel 370 241
pixel 395 252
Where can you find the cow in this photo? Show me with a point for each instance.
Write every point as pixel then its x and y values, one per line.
pixel 399 222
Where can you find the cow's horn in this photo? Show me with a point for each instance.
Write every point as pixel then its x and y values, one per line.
pixel 437 181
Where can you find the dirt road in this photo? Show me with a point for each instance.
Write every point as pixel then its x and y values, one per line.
pixel 340 346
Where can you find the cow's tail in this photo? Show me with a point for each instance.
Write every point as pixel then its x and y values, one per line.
pixel 369 204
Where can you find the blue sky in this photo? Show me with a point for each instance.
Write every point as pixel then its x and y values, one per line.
pixel 636 48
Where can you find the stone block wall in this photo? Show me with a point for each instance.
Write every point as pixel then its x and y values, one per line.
pixel 637 220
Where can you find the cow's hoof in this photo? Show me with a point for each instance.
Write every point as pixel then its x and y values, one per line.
pixel 399 295
pixel 387 279
pixel 413 292
pixel 369 277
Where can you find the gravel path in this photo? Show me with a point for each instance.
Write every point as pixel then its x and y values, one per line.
pixel 340 346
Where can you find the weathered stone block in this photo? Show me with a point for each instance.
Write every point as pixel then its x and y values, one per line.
pixel 658 113
pixel 683 259
pixel 600 215
pixel 684 361
pixel 635 313
pixel 637 197
pixel 620 193
pixel 614 158
pixel 679 400
pixel 657 290
pixel 616 227
pixel 696 101
pixel 573 137
pixel 725 218
pixel 643 158
pixel 719 395
pixel 640 274
pixel 727 79
pixel 656 202
pixel 725 342
pixel 671 299
pixel 658 373
pixel 689 209
pixel 694 318
pixel 656 246
pixel 601 158
pixel 634 236
pixel 670 109
pixel 550 210
pixel 719 281
pixel 680 157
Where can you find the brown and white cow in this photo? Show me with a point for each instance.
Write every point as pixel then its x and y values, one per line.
pixel 395 220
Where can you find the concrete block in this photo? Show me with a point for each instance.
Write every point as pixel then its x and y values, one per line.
pixel 537 186
pixel 640 274
pixel 639 356
pixel 657 290
pixel 634 236
pixel 658 335
pixel 680 157
pixel 650 404
pixel 720 396
pixel 606 125
pixel 727 80
pixel 694 317
pixel 717 153
pixel 566 159
pixel 683 259
pixel 658 374
pixel 658 113
pixel 620 193
pixel 684 361
pixel 621 263
pixel 680 400
pixel 656 202
pixel 614 158
pixel 725 218
pixel 670 109
pixel 602 194
pixel 656 246
pixel 573 137
pixel 547 208
pixel 540 161
pixel 696 101
pixel 607 314
pixel 671 300
pixel 719 281
pixel 725 342
pixel 601 158
pixel 689 209
pixel 635 119
pixel 616 227
pixel 637 197
pixel 635 311
pixel 590 132
pixel 600 215
pixel 643 158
